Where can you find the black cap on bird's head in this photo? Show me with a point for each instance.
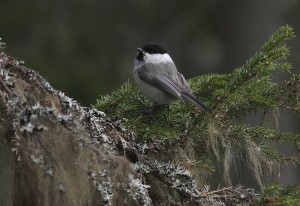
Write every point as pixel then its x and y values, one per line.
pixel 150 48
pixel 153 49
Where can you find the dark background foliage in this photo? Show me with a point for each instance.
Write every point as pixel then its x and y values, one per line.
pixel 86 48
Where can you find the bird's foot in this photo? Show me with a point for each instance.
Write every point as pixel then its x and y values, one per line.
pixel 152 110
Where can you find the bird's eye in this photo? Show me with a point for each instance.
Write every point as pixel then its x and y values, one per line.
pixel 140 56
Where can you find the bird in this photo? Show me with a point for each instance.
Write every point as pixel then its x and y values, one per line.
pixel 157 77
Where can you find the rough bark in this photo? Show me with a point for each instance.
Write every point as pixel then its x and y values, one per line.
pixel 55 152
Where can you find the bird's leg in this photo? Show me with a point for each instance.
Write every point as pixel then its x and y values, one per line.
pixel 151 110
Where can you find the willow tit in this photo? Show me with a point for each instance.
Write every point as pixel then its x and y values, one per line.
pixel 157 77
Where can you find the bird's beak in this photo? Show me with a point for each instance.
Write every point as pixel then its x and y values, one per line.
pixel 139 49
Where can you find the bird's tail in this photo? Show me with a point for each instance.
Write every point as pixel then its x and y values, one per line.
pixel 193 100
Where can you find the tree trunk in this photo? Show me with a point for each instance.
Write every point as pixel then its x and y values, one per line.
pixel 55 152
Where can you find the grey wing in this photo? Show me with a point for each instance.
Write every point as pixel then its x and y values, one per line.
pixel 188 95
pixel 184 85
pixel 160 80
pixel 176 86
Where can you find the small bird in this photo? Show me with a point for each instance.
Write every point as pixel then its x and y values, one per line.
pixel 158 79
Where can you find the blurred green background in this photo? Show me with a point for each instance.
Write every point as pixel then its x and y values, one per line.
pixel 87 48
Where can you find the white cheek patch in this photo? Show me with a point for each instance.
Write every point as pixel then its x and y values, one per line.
pixel 158 58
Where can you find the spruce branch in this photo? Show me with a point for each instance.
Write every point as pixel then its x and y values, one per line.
pixel 223 135
pixel 278 195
